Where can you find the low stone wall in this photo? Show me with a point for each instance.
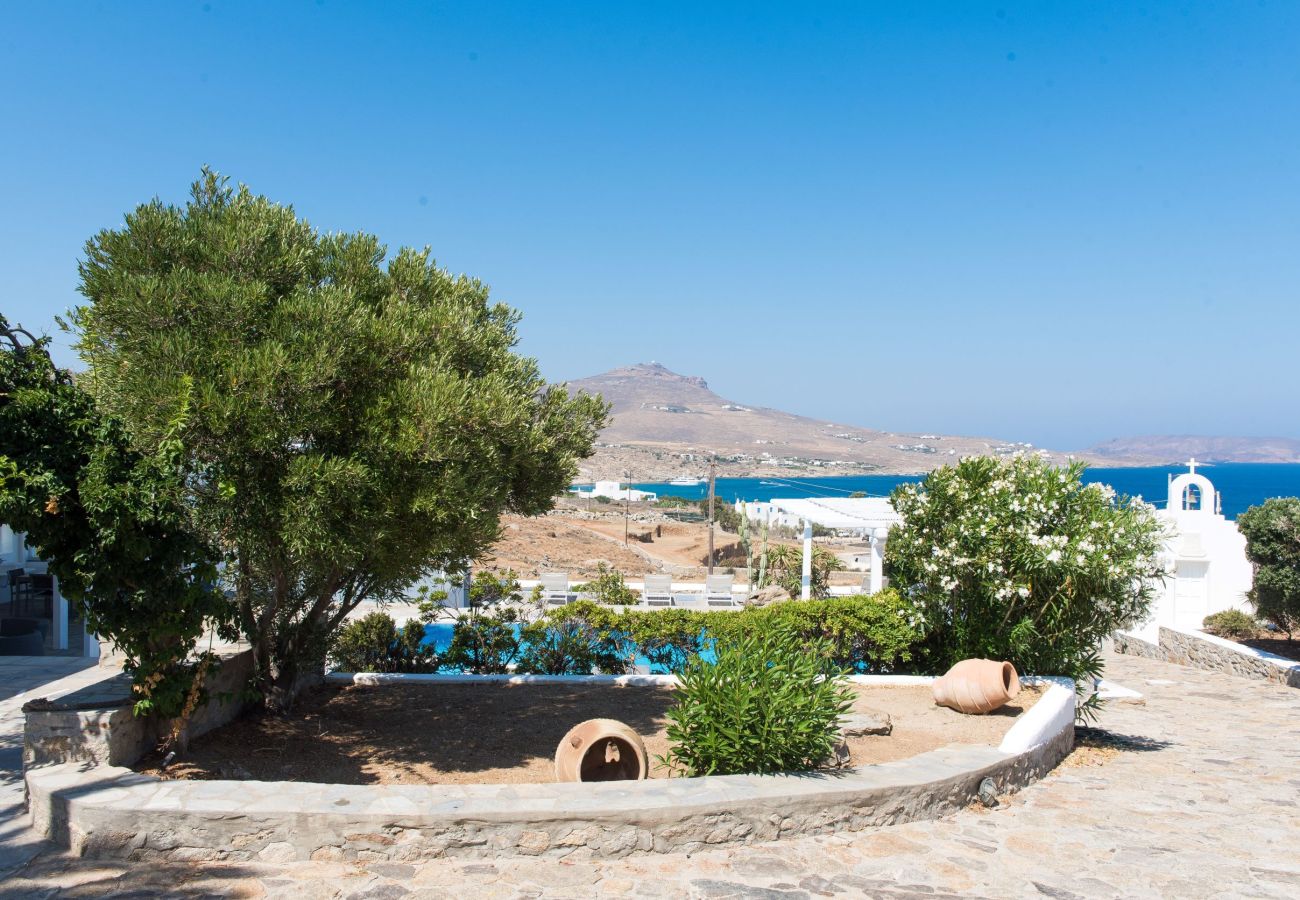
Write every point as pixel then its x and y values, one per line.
pixel 1206 651
pixel 96 724
pixel 113 812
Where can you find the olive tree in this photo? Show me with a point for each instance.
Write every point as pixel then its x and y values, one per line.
pixel 1272 532
pixel 354 420
pixel 1018 560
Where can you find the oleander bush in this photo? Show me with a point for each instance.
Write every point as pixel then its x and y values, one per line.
pixel 374 643
pixel 770 703
pixel 1231 623
pixel 1019 560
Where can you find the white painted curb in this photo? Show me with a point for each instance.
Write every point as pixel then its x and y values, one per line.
pixel 1047 718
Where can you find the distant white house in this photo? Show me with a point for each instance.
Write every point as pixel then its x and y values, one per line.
pixel 1205 559
pixel 614 490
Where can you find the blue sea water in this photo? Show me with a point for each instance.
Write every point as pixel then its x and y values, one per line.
pixel 1242 485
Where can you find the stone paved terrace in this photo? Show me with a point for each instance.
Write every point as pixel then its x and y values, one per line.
pixel 1202 799
pixel 21 679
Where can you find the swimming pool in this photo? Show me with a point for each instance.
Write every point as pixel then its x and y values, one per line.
pixel 439 634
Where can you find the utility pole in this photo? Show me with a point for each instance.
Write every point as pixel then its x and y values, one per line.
pixel 712 470
pixel 627 504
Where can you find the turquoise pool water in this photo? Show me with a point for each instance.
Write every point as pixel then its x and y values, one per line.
pixel 440 633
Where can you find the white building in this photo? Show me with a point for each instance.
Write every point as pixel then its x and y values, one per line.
pixel 614 490
pixel 869 517
pixel 1205 558
pixel 16 556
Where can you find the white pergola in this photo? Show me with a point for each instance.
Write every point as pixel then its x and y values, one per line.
pixel 870 516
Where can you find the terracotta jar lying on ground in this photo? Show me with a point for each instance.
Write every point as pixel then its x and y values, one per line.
pixel 601 750
pixel 977 686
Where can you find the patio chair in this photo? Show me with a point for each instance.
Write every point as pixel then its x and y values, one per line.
pixel 38 590
pixel 717 590
pixel 658 590
pixel 555 588
pixel 12 579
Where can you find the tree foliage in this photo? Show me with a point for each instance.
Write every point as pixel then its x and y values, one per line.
pixel 785 569
pixel 374 643
pixel 355 421
pixel 110 521
pixel 1018 560
pixel 1272 532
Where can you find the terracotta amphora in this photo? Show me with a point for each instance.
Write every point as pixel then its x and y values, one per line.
pixel 601 750
pixel 977 686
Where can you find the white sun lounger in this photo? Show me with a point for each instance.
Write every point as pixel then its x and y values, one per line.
pixel 658 590
pixel 555 588
pixel 717 590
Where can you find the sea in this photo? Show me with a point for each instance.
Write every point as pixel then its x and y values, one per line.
pixel 1241 485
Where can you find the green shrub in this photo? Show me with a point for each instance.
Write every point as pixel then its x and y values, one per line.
pixel 484 643
pixel 1272 532
pixel 608 587
pixel 1231 623
pixel 667 637
pixel 724 513
pixel 565 643
pixel 861 633
pixel 767 705
pixel 375 644
pixel 1018 560
pixel 785 569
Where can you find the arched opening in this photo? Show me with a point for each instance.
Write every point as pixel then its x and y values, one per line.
pixel 1192 497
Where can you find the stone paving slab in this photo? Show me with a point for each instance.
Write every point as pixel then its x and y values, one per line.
pixel 23 678
pixel 1200 797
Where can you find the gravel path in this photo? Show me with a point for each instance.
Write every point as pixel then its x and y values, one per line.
pixel 1192 794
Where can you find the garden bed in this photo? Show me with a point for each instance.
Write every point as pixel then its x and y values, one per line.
pixel 501 733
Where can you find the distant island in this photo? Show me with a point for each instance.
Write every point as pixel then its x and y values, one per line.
pixel 1161 449
pixel 666 426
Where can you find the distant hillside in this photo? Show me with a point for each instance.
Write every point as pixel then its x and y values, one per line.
pixel 1176 448
pixel 665 424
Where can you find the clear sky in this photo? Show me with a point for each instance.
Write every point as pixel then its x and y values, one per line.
pixel 1047 222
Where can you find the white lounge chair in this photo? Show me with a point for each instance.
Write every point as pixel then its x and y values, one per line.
pixel 555 588
pixel 658 590
pixel 717 590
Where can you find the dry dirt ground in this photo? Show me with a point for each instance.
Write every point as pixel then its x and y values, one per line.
pixel 577 541
pixel 531 546
pixel 500 733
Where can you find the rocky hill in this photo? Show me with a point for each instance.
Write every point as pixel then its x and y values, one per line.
pixel 1176 448
pixel 665 426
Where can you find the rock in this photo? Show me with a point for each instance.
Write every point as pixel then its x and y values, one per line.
pixel 770 594
pixel 856 724
pixel 278 852
pixel 988 793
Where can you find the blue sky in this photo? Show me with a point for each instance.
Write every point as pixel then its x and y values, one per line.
pixel 1048 222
